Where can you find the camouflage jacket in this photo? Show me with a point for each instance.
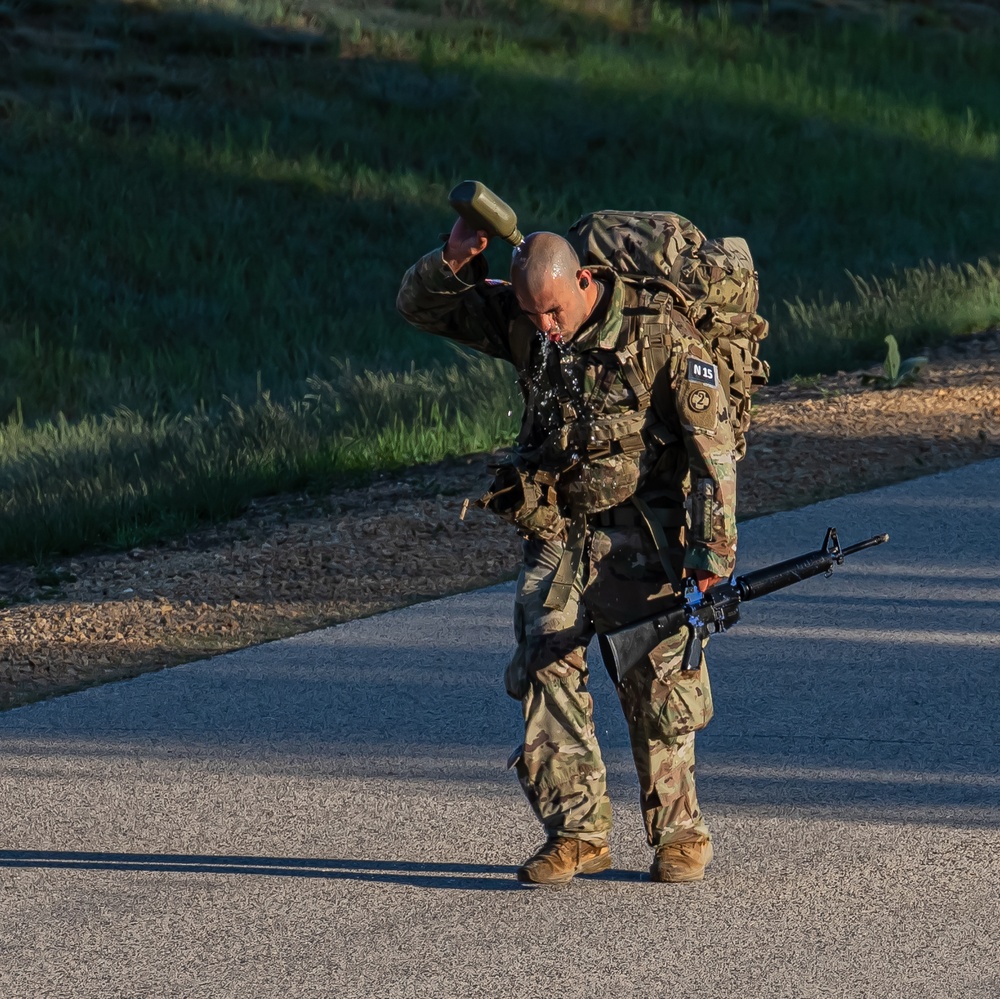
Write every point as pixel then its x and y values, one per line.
pixel 685 457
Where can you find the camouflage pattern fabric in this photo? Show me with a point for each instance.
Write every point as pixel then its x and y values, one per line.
pixel 675 452
pixel 560 766
pixel 637 242
pixel 716 274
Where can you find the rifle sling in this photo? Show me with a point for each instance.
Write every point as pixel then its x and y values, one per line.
pixel 568 569
pixel 660 539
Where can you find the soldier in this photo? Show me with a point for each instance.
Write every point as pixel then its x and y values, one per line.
pixel 620 487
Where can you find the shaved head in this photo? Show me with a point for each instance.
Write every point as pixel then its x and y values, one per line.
pixel 542 259
pixel 552 290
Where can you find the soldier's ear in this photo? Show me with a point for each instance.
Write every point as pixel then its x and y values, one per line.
pixel 584 279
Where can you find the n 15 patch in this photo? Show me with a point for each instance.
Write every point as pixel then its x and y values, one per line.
pixel 702 371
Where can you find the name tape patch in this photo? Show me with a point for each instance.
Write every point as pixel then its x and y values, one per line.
pixel 702 371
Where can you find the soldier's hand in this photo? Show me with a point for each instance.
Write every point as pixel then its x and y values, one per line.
pixel 705 579
pixel 464 243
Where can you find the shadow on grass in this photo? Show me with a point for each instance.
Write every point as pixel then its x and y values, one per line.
pixel 199 207
pixel 283 181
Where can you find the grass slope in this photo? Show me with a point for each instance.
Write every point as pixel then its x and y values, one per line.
pixel 208 204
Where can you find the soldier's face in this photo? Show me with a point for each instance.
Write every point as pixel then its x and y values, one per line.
pixel 558 309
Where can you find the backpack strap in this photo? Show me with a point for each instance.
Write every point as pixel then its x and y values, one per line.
pixel 567 399
pixel 644 347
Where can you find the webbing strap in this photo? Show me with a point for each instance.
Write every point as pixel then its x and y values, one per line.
pixel 564 395
pixel 727 377
pixel 739 373
pixel 561 586
pixel 631 444
pixel 662 546
pixel 655 352
pixel 636 382
pixel 647 347
pixel 600 394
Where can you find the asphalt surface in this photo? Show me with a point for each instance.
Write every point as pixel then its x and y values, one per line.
pixel 330 816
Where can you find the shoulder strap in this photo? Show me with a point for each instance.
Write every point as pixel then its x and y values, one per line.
pixel 644 347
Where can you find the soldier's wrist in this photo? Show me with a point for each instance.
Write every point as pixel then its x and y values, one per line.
pixel 705 560
pixel 464 271
pixel 439 276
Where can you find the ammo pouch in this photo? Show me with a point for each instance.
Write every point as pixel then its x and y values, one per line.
pixel 616 447
pixel 527 499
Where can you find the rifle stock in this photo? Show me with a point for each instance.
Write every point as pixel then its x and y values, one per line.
pixel 623 648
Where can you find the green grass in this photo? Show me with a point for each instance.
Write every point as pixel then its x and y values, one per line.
pixel 206 205
pixel 917 306
pixel 125 479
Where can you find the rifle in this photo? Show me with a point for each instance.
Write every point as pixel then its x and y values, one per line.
pixel 718 609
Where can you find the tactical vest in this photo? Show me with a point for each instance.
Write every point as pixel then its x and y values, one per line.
pixel 610 451
pixel 680 287
pixel 595 457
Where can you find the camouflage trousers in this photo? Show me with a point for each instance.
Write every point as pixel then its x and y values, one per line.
pixel 559 765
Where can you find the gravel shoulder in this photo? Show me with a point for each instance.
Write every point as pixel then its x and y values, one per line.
pixel 296 563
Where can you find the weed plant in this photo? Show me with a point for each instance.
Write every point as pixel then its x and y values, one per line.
pixel 895 371
pixel 208 207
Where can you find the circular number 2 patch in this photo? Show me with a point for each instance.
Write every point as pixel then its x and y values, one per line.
pixel 700 400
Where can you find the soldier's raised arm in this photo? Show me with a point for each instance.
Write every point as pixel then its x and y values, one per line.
pixel 446 293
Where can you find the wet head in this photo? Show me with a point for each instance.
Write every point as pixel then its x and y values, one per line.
pixel 554 292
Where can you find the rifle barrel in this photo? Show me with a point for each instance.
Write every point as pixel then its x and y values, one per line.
pixel 760 582
pixel 879 539
pixel 794 570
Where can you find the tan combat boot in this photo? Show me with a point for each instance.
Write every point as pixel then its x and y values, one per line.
pixel 561 858
pixel 675 862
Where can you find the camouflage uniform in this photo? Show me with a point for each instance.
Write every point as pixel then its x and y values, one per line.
pixel 619 529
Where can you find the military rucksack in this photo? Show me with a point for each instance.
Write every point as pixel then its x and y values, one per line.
pixel 712 282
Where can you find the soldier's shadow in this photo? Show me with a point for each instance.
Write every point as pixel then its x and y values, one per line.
pixel 481 877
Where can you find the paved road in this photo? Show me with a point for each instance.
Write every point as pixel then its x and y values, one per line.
pixel 330 817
